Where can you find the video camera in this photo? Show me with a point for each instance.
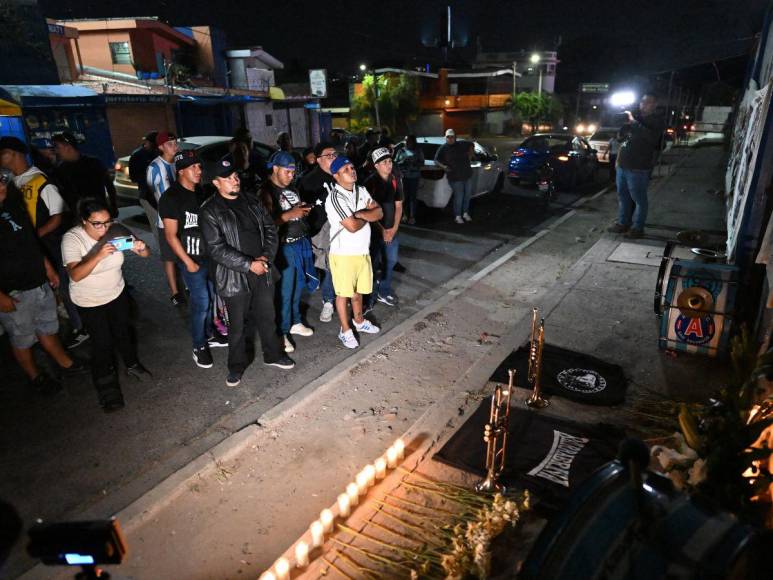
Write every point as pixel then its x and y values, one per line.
pixel 84 544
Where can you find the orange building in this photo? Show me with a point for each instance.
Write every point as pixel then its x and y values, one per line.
pixel 128 45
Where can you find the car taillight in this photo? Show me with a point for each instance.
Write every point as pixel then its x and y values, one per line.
pixel 118 166
pixel 518 153
pixel 563 158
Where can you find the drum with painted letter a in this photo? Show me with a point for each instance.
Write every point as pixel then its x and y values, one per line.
pixel 605 531
pixel 695 300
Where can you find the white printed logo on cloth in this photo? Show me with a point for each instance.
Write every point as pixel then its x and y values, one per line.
pixel 558 462
pixel 583 381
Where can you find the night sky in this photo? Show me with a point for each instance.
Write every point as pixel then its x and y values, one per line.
pixel 598 40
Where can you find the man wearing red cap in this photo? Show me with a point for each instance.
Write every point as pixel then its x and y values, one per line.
pixel 160 176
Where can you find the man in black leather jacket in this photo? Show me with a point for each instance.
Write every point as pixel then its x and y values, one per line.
pixel 242 243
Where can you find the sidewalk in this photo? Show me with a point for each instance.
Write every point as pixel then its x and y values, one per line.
pixel 232 512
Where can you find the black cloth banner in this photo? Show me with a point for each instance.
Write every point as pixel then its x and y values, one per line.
pixel 568 374
pixel 545 455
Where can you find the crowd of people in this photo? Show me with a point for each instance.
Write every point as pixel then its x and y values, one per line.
pixel 244 249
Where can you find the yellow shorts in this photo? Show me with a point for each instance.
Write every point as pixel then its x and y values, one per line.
pixel 351 274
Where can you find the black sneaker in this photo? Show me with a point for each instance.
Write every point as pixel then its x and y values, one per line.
pixel 399 268
pixel 618 229
pixel 76 368
pixel 233 379
pixel 177 299
pixel 634 233
pixel 137 371
pixel 389 300
pixel 45 385
pixel 77 338
pixel 217 341
pixel 283 362
pixel 202 357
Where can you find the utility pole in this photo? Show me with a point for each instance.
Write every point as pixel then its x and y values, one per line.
pixel 515 74
pixel 375 101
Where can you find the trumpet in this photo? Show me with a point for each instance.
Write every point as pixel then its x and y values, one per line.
pixel 536 400
pixel 495 436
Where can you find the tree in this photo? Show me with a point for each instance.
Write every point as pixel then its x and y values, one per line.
pixel 398 102
pixel 535 108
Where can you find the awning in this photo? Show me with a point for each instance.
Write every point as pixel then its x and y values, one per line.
pixel 50 95
pixel 276 94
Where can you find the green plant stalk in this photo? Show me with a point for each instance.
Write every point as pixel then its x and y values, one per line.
pixel 408 525
pixel 410 555
pixel 372 556
pixel 413 513
pixel 417 504
pixel 354 564
pixel 337 569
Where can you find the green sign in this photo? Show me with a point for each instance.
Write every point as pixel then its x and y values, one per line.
pixel 594 87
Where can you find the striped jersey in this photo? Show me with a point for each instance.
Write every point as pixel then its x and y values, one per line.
pixel 341 204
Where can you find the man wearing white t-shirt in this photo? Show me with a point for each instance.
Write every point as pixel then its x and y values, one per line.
pixel 350 210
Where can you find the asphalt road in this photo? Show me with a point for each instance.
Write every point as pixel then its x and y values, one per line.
pixel 62 456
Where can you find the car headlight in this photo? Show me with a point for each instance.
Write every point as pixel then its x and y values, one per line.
pixel 580 128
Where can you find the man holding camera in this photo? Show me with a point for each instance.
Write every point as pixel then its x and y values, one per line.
pixel 242 242
pixel 634 166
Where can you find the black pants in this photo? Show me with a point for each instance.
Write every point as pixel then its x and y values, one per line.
pixel 246 313
pixel 108 326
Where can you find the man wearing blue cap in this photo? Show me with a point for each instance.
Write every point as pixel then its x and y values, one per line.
pixel 294 259
pixel 350 211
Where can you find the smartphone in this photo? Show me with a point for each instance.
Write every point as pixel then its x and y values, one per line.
pixel 123 243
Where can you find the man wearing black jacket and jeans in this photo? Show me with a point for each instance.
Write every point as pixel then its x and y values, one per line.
pixel 242 242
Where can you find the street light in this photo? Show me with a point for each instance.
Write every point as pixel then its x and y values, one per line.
pixel 363 67
pixel 622 99
pixel 535 58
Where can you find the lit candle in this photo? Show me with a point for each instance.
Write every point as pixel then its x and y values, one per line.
pixel 354 493
pixel 282 569
pixel 269 575
pixel 400 448
pixel 362 482
pixel 344 505
pixel 391 457
pixel 381 466
pixel 326 517
pixel 317 534
pixel 301 554
pixel 370 473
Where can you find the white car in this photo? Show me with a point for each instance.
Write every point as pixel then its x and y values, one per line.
pixel 487 173
pixel 210 149
pixel 600 142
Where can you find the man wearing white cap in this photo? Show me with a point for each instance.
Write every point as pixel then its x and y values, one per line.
pixel 454 158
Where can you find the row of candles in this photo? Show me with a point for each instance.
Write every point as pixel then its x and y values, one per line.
pixel 364 480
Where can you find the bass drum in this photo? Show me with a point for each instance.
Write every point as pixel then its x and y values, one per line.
pixel 671 253
pixel 603 534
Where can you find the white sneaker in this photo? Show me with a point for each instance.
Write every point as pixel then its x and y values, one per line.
pixel 466 217
pixel 301 329
pixel 289 345
pixel 367 327
pixel 347 338
pixel 327 312
pixel 458 219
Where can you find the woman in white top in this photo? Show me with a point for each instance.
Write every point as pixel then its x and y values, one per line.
pixel 91 253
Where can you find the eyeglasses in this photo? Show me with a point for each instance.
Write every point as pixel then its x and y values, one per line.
pixel 101 225
pixel 331 155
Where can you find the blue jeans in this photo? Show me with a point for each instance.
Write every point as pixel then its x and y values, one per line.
pixel 384 258
pixel 289 290
pixel 632 190
pixel 326 286
pixel 200 303
pixel 462 191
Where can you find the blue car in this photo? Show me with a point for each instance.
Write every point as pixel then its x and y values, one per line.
pixel 571 157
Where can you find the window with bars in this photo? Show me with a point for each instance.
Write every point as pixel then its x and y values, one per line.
pixel 119 52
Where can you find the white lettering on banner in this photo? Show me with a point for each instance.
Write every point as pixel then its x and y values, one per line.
pixel 558 462
pixel 191 220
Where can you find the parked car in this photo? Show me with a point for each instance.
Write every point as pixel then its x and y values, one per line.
pixel 209 149
pixel 488 173
pixel 571 157
pixel 600 142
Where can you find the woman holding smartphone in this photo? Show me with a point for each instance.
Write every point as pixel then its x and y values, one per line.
pixel 91 253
